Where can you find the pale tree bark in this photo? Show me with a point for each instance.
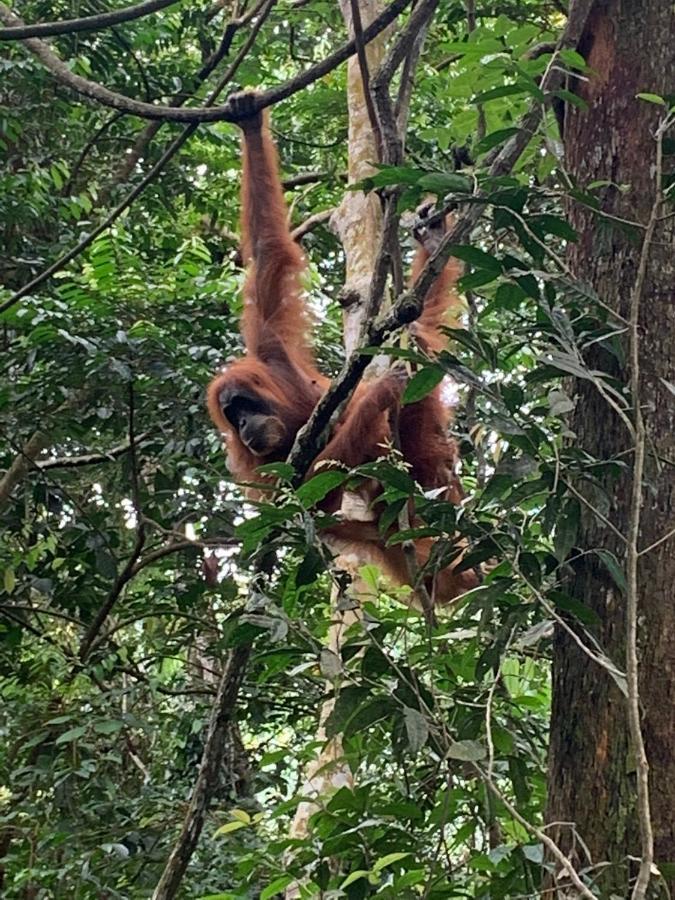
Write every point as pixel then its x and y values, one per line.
pixel 358 223
pixel 358 218
pixel 598 772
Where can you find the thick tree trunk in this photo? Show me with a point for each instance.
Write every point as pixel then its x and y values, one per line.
pixel 630 48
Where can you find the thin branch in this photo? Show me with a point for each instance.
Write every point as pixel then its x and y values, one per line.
pixel 311 223
pixel 405 88
pixel 87 23
pixel 666 537
pixel 357 27
pixel 303 178
pixel 225 113
pixel 21 464
pixel 88 459
pixel 540 835
pixel 127 573
pixel 177 547
pixel 209 768
pixel 91 143
pixel 632 553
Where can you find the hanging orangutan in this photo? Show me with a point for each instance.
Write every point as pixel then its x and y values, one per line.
pixel 261 401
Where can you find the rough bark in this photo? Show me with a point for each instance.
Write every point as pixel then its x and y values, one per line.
pixel 358 219
pixel 630 48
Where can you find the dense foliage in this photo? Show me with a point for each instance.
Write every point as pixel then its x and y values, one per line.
pixel 103 722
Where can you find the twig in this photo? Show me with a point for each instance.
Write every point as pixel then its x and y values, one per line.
pixel 87 23
pixel 177 547
pixel 632 552
pixel 88 459
pixel 127 572
pixel 666 537
pixel 91 143
pixel 311 222
pixel 196 115
pixel 365 74
pixel 540 835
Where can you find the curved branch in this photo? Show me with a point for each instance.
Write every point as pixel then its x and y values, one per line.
pixel 224 113
pixel 311 223
pixel 168 154
pixel 87 23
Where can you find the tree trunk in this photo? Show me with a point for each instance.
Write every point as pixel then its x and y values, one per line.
pixel 630 48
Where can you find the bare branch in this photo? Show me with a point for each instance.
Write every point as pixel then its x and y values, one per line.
pixel 540 835
pixel 225 113
pixel 311 223
pixel 221 716
pixel 88 459
pixel 87 23
pixel 127 572
pixel 365 73
pixel 632 552
pixel 21 464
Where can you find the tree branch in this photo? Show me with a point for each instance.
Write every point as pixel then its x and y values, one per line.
pixel 632 551
pixel 88 459
pixel 311 223
pixel 21 463
pixel 225 113
pixel 168 154
pixel 221 716
pixel 127 572
pixel 87 23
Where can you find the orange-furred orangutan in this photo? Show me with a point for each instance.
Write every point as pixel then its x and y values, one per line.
pixel 260 402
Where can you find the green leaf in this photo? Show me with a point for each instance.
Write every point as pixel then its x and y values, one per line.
pixel 240 815
pixel 281 470
pixel 652 98
pixel 494 138
pixel 387 860
pixel 71 735
pixel 310 568
pixel 505 90
pixel 417 729
pixel 570 604
pixel 422 383
pixel 441 183
pixel 570 97
pixel 109 726
pixel 10 579
pixel 467 751
pixel 355 876
pixel 613 567
pixel 277 886
pixel 229 828
pixel 567 526
pixel 479 259
pixel 319 486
